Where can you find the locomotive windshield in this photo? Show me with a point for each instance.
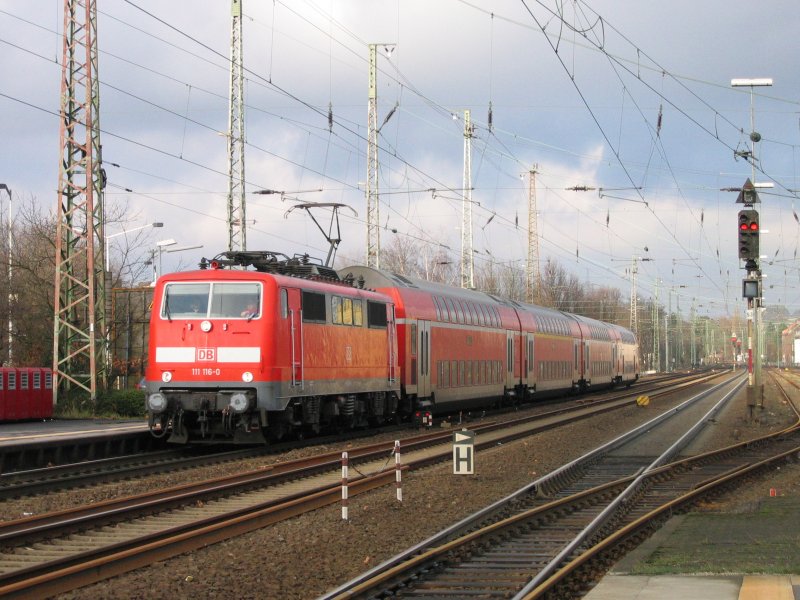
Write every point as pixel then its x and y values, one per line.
pixel 211 300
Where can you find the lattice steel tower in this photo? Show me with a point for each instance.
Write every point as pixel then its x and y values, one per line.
pixel 634 323
pixel 656 331
pixel 237 221
pixel 533 277
pixel 467 259
pixel 373 201
pixel 79 321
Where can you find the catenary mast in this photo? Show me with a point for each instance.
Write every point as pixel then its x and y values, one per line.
pixel 373 207
pixel 237 221
pixel 467 259
pixel 533 276
pixel 79 317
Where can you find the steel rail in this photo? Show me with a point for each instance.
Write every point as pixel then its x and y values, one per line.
pixel 14 582
pixel 544 485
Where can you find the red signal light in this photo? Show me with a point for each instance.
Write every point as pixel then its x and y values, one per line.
pixel 753 226
pixel 743 227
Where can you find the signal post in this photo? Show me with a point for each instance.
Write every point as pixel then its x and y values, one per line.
pixel 749 238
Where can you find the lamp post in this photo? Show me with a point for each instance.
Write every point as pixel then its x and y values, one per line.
pixel 160 245
pixel 125 232
pixel 160 250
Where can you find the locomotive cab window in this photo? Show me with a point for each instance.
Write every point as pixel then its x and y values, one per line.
pixel 207 300
pixel 376 314
pixel 235 300
pixel 313 307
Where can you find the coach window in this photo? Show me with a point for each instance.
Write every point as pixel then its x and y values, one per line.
pixel 284 303
pixel 358 314
pixel 473 314
pixel 336 310
pixel 347 311
pixel 459 312
pixel 376 314
pixel 413 341
pixel 444 381
pixel 461 375
pixel 313 307
pixel 437 308
pixel 451 310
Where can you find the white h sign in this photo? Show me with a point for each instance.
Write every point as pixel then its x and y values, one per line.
pixel 463 452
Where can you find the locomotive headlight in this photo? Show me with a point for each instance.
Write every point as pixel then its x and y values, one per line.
pixel 157 403
pixel 166 376
pixel 247 377
pixel 239 403
pixel 205 326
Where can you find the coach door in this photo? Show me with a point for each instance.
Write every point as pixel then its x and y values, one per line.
pixel 423 359
pixel 529 374
pixel 510 383
pixel 296 335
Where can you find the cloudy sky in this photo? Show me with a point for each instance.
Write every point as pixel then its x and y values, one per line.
pixel 630 98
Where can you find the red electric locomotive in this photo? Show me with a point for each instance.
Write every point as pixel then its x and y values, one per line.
pixel 286 347
pixel 289 347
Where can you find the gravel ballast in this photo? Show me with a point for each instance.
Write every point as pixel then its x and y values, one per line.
pixel 313 553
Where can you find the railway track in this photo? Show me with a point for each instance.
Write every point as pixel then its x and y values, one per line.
pixel 60 551
pixel 81 473
pixel 593 509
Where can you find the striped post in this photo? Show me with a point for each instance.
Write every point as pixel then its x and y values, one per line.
pixel 344 485
pixel 398 483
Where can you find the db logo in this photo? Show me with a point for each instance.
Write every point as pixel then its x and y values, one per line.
pixel 207 354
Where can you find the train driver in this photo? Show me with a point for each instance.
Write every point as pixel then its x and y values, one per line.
pixel 251 311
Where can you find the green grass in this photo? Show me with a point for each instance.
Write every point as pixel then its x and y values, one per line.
pixel 766 540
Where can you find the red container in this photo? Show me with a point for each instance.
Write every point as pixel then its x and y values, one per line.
pixel 2 396
pixel 35 393
pixel 25 409
pixel 9 375
pixel 46 406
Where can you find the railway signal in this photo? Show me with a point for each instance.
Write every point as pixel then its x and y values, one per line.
pixel 748 234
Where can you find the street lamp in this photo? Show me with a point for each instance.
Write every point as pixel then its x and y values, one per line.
pixel 160 245
pixel 160 250
pixel 125 232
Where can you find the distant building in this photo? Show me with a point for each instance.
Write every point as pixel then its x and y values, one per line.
pixel 790 344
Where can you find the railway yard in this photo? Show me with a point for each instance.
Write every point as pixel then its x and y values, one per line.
pixel 315 552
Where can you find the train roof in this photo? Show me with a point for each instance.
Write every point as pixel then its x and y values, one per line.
pixel 378 278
